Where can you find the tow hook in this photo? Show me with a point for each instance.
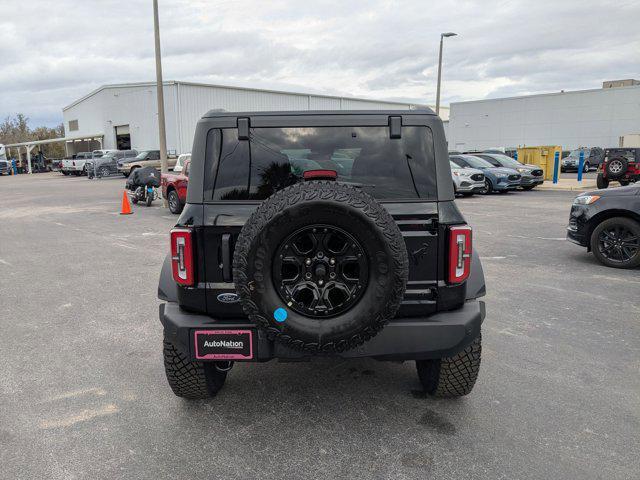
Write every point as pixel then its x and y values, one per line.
pixel 224 366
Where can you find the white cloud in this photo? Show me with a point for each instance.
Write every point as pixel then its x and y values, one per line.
pixel 53 52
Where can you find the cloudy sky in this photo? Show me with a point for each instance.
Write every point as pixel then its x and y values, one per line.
pixel 53 52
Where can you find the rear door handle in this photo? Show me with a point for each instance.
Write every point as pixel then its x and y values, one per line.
pixel 226 257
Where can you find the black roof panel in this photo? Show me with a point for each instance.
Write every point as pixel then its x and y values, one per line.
pixel 218 113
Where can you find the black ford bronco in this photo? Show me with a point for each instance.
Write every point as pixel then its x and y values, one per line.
pixel 314 234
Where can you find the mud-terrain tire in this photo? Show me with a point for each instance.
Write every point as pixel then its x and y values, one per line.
pixel 602 182
pixel 369 227
pixel 617 168
pixel 450 377
pixel 191 380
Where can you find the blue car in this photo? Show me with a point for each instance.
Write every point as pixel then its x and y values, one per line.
pixel 496 179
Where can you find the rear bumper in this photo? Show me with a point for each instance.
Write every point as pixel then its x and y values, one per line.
pixel 439 335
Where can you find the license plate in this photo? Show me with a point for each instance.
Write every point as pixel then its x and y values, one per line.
pixel 223 344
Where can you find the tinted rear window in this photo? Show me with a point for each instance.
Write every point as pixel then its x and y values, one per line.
pixel 275 158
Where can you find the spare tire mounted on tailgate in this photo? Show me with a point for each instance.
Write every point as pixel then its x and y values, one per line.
pixel 321 266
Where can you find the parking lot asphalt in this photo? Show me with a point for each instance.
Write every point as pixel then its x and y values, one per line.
pixel 83 392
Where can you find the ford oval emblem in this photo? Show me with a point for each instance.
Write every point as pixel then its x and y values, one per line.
pixel 228 298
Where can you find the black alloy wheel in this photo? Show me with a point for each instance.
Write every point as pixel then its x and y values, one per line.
pixel 320 271
pixel 616 242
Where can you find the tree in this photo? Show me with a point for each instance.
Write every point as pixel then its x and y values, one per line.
pixel 16 130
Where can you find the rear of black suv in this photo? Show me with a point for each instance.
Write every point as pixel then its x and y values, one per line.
pixel 321 234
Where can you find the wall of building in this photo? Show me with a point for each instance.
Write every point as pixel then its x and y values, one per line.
pixel 135 106
pixel 570 119
pixel 195 100
pixel 185 103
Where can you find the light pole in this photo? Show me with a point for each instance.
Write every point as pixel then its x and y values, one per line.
pixel 164 166
pixel 442 35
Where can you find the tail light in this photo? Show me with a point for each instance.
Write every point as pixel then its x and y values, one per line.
pixel 182 256
pixel 460 249
pixel 320 175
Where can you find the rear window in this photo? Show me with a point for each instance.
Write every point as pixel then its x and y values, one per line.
pixel 368 157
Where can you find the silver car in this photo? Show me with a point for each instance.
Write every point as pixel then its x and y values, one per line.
pixel 532 175
pixel 466 181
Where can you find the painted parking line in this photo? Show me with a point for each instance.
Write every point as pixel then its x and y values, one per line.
pixel 555 239
pixel 82 416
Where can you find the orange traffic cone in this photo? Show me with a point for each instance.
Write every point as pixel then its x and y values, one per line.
pixel 126 208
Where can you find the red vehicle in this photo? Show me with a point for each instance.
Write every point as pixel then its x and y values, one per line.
pixel 174 188
pixel 621 165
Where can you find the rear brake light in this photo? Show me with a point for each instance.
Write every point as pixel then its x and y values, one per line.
pixel 460 249
pixel 182 256
pixel 320 175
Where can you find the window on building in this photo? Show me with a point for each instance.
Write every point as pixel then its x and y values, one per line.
pixel 73 125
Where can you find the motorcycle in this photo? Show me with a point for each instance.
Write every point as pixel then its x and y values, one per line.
pixel 143 185
pixel 146 194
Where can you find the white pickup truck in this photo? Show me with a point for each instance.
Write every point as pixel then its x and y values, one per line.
pixel 76 165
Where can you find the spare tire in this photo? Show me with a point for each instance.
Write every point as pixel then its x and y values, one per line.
pixel 617 167
pixel 320 266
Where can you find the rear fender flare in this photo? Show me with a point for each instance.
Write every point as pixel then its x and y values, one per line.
pixel 167 287
pixel 475 283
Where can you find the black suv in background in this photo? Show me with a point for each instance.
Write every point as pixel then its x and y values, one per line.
pixel 593 157
pixel 607 223
pixel 314 234
pixel 108 163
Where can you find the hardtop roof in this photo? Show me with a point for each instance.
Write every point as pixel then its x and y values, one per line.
pixel 218 113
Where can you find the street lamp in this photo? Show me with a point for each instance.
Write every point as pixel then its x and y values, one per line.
pixel 164 166
pixel 442 35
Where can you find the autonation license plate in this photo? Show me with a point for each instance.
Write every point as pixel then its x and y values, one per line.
pixel 224 344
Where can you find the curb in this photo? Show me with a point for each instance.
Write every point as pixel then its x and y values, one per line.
pixel 568 188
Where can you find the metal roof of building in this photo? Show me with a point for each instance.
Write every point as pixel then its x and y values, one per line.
pixel 231 87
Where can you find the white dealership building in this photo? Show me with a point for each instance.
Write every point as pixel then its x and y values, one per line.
pixel 597 117
pixel 126 115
